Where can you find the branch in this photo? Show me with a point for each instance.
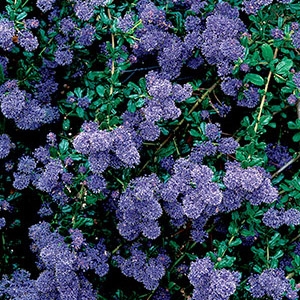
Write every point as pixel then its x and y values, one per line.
pixel 263 99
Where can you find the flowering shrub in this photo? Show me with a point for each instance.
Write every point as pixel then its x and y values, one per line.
pixel 149 149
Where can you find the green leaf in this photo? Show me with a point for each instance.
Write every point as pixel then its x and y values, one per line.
pixel 296 137
pixel 284 66
pixel 195 133
pixel 267 52
pixel 21 16
pixel 63 146
pixel 255 79
pixel 80 112
pixel 226 262
pixel 100 89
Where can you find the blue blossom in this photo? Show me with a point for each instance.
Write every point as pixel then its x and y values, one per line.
pixel 125 23
pixel 193 23
pixel 278 155
pixel 227 145
pixel 251 183
pixel 273 218
pixel 5 145
pixel 147 271
pixel 223 109
pixel 63 55
pixel 45 5
pixel 167 163
pixel 45 89
pixel 32 23
pixel 27 40
pixel 250 97
pixel 42 154
pixel 209 283
pixel 213 131
pixel 296 39
pixel 277 33
pixel 292 217
pixel 86 35
pixel 83 10
pixel 230 86
pixel 95 258
pixel 139 208
pixel 272 283
pixel 292 99
pixel 26 164
pixel 198 233
pixel 251 7
pixel 2 223
pixel 21 180
pixel 222 32
pixel 296 79
pixel 13 103
pixel 149 131
pixel 67 25
pixel 99 161
pixel 124 147
pixel 96 183
pixel 19 286
pixel 7 32
pixel 202 150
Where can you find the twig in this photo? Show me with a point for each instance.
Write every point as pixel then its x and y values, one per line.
pixel 286 165
pixel 263 99
pixel 113 61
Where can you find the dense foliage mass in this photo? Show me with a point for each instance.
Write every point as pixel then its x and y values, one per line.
pixel 149 149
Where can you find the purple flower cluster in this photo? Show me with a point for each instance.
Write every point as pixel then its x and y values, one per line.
pixel 252 184
pixel 61 274
pixel 213 131
pixel 125 23
pixel 27 40
pixel 154 38
pixel 107 148
pixel 220 40
pixel 27 112
pixel 250 97
pixel 45 5
pixel 251 7
pixel 210 283
pixel 161 104
pixel 191 193
pixel 5 145
pixel 276 218
pixel 139 208
pixel 224 145
pixel 7 32
pixel 146 270
pixel 25 172
pixel 278 155
pixel 271 283
pixel 86 35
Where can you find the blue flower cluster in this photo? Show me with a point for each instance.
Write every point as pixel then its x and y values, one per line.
pixel 139 208
pixel 107 148
pixel 271 283
pixel 143 269
pixel 61 268
pixel 220 39
pixel 275 218
pixel 5 145
pixel 210 283
pixel 252 184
